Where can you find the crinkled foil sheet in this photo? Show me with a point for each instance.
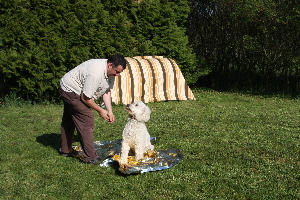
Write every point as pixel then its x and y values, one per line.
pixel 109 152
pixel 159 160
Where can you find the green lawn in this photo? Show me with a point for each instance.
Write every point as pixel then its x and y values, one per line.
pixel 235 147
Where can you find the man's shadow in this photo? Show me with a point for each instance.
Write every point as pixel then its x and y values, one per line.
pixel 53 140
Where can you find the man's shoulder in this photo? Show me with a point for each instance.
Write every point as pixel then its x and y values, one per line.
pixel 96 66
pixel 97 61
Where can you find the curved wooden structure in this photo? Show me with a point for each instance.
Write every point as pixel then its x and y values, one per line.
pixel 150 79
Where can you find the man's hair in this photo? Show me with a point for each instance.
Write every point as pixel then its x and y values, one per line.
pixel 117 60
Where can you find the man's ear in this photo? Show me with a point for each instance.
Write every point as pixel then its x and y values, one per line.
pixel 109 65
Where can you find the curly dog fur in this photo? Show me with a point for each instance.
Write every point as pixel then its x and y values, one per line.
pixel 135 136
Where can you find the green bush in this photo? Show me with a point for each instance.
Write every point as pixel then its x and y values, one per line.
pixel 42 40
pixel 249 45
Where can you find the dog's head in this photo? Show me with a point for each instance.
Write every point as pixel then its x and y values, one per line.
pixel 139 111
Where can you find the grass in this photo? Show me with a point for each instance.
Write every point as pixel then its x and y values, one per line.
pixel 235 147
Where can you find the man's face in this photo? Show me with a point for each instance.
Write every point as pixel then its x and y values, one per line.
pixel 113 71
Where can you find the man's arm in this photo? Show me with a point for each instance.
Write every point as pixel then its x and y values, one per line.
pixel 107 101
pixel 92 104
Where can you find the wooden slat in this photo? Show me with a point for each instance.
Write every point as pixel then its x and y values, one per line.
pixel 150 79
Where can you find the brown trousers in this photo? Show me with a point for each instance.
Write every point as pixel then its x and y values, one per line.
pixel 77 115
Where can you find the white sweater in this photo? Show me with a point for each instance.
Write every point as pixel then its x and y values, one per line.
pixel 90 77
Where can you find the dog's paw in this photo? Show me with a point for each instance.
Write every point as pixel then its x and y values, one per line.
pixel 150 153
pixel 123 167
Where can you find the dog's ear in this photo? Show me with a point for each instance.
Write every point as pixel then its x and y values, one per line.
pixel 146 113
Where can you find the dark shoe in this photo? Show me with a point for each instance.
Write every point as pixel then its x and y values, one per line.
pixel 71 154
pixel 93 162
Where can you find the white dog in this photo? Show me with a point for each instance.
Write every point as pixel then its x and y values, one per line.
pixel 135 134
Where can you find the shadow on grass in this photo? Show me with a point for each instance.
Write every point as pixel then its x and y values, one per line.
pixel 53 140
pixel 115 166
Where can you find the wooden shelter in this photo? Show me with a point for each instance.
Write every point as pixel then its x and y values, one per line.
pixel 150 79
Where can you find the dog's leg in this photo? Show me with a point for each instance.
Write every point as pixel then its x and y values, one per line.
pixel 124 153
pixel 149 147
pixel 139 152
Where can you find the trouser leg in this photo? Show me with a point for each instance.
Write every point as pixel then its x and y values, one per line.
pixel 67 131
pixel 83 120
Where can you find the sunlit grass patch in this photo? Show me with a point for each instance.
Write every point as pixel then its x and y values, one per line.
pixel 235 147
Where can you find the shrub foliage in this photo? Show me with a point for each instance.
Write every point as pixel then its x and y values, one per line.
pixel 248 44
pixel 41 40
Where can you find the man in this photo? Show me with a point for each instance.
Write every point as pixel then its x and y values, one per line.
pixel 79 88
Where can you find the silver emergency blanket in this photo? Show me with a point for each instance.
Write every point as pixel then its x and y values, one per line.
pixel 109 152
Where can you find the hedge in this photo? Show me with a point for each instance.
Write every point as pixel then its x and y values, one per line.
pixel 41 40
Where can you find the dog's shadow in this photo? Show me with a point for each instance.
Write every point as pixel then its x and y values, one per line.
pixel 115 165
pixel 52 139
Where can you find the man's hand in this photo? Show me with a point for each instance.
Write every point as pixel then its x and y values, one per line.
pixel 109 117
pixel 104 114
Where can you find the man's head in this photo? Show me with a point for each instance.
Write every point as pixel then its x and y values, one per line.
pixel 115 65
